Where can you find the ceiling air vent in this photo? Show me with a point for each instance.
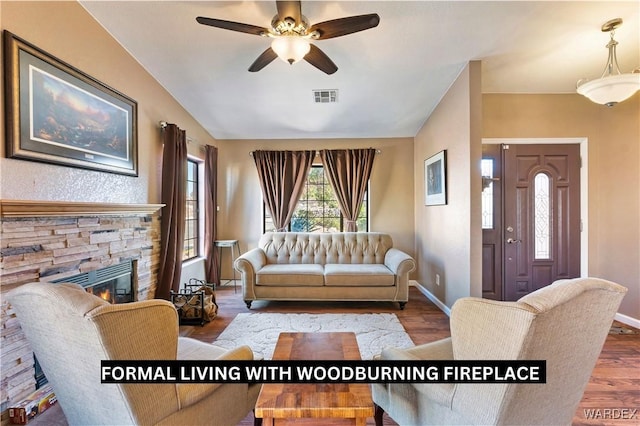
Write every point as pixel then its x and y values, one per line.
pixel 325 96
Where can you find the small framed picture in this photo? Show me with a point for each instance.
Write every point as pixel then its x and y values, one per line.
pixel 435 179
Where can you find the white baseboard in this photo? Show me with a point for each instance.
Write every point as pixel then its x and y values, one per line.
pixel 630 321
pixel 444 308
pixel 625 319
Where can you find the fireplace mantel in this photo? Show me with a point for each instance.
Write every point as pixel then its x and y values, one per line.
pixel 29 208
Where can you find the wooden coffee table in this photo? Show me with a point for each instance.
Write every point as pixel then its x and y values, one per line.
pixel 300 402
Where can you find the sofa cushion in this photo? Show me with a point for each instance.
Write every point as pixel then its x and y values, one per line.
pixel 358 275
pixel 290 275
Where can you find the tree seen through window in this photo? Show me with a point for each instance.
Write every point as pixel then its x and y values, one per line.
pixel 318 209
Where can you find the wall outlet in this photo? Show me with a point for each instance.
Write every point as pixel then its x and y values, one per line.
pixel 437 279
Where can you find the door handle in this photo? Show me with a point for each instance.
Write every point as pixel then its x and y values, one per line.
pixel 512 241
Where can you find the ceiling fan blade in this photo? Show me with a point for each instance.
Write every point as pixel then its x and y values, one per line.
pixel 233 26
pixel 320 60
pixel 344 26
pixel 263 60
pixel 289 9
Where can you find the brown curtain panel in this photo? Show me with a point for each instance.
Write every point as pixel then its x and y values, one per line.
pixel 174 168
pixel 348 171
pixel 282 176
pixel 211 255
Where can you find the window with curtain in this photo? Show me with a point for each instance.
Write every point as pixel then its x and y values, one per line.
pixel 192 219
pixel 318 210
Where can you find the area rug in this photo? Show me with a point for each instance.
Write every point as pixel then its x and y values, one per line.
pixel 260 331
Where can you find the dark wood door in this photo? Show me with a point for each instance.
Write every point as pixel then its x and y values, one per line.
pixel 541 216
pixel 492 221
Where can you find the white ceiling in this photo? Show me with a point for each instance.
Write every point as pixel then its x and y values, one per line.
pixel 390 78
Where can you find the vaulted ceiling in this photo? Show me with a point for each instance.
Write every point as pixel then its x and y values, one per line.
pixel 389 78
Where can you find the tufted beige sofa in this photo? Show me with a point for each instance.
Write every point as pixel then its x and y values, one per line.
pixel 326 266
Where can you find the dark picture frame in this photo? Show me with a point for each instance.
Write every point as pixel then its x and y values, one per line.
pixel 435 179
pixel 57 114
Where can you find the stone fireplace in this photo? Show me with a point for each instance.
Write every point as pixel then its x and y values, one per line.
pixel 70 241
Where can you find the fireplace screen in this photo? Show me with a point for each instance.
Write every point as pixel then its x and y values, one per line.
pixel 117 290
pixel 113 283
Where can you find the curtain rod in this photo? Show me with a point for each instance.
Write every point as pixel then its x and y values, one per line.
pixel 164 124
pixel 318 152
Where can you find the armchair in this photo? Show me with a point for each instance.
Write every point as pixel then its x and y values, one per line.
pixel 565 323
pixel 71 331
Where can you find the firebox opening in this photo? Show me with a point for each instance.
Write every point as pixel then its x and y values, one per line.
pixel 113 283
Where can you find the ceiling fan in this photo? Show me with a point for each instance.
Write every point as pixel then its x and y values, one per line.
pixel 291 33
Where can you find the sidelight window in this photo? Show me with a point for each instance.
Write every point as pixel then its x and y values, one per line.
pixel 487 193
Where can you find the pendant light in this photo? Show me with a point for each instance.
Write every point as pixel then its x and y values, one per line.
pixel 612 87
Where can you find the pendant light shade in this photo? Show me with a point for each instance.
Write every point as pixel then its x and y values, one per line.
pixel 612 87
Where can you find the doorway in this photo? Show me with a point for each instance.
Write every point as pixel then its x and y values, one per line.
pixel 533 214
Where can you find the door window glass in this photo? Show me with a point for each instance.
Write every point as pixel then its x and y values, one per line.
pixel 542 216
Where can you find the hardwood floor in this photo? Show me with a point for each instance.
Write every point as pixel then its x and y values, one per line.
pixel 613 388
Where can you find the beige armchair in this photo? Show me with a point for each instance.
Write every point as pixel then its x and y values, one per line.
pixel 71 331
pixel 565 324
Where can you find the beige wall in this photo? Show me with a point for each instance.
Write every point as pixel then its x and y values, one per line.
pixel 448 237
pixel 68 32
pixel 614 171
pixel 240 197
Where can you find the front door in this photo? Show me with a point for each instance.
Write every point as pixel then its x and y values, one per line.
pixel 533 236
pixel 541 222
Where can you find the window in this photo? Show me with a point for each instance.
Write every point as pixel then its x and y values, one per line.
pixel 317 209
pixel 192 220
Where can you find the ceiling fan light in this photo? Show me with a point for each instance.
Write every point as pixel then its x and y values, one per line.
pixel 611 89
pixel 290 49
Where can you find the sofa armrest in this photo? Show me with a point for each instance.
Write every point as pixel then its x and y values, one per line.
pixel 191 349
pixel 438 350
pixel 248 264
pixel 251 261
pixel 241 353
pixel 441 393
pixel 399 262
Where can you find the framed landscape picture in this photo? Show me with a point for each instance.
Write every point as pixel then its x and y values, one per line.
pixel 435 179
pixel 58 114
